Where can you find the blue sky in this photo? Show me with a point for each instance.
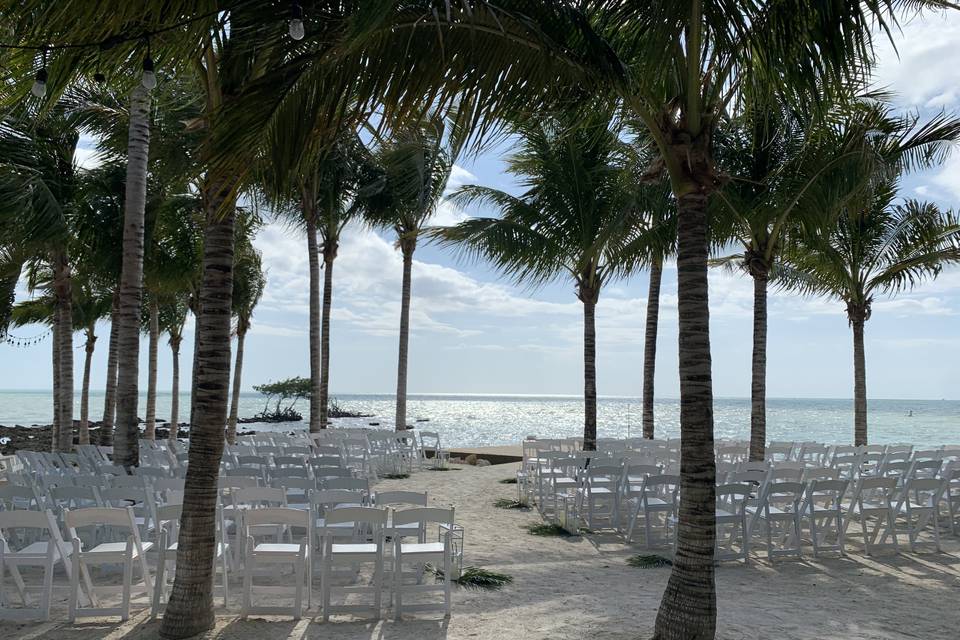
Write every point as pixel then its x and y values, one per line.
pixel 474 332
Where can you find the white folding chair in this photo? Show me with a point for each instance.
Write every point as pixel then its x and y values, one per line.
pixel 658 496
pixel 43 547
pixel 779 508
pixel 259 554
pixel 168 518
pixel 128 553
pixel 420 553
pixel 366 546
pixel 824 504
pixel 920 504
pixel 731 517
pixel 872 502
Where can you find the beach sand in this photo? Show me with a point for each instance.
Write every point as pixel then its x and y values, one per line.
pixel 581 587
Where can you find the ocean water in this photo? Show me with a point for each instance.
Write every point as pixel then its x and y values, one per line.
pixel 479 420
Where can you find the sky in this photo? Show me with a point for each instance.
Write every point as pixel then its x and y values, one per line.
pixel 473 331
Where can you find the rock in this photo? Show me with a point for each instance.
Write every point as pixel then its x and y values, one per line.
pixel 483 463
pixel 471 459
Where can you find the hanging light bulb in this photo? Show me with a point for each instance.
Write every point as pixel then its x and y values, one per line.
pixel 39 87
pixel 149 78
pixel 295 25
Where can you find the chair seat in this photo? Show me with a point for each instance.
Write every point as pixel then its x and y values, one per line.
pixel 354 547
pixel 36 551
pixel 421 547
pixel 276 547
pixel 114 548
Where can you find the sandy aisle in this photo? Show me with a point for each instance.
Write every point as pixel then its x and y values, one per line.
pixel 581 587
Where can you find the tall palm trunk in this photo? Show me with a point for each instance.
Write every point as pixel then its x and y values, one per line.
pixel 589 372
pixel 688 610
pixel 175 387
pixel 329 255
pixel 84 436
pixel 55 352
pixel 64 293
pixel 235 400
pixel 150 431
pixel 126 439
pixel 190 609
pixel 110 390
pixel 193 362
pixel 407 246
pixel 758 386
pixel 316 412
pixel 857 322
pixel 650 345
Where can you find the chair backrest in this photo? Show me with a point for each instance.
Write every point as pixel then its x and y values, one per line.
pixel 236 482
pixel 321 472
pixel 924 468
pixel 755 477
pixel 289 461
pixel 75 497
pixel 250 460
pixel 430 439
pixel 782 494
pixel 96 516
pixel 830 491
pixel 350 484
pixel 278 516
pixel 243 472
pixel 660 485
pixel 18 497
pixel 424 516
pixel 819 473
pixel 12 521
pixel 876 490
pixel 373 516
pixel 259 496
pixel 289 472
pixel 925 490
pixel 384 498
pixel 734 496
pixel 327 461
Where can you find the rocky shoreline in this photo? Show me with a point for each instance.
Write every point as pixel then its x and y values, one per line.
pixel 37 437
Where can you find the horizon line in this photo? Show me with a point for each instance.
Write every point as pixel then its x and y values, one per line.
pixel 534 395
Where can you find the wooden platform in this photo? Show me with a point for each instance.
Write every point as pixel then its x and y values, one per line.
pixel 496 455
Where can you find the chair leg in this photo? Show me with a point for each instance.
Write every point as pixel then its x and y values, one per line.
pixel 159 586
pixel 446 581
pixel 378 585
pixel 398 582
pixel 298 599
pixel 127 585
pixel 75 583
pixel 325 585
pixel 47 592
pixel 247 587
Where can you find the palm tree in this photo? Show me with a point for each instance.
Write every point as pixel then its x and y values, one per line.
pixel 414 164
pixel 173 318
pixel 878 245
pixel 249 282
pixel 577 217
pixel 678 68
pixel 790 172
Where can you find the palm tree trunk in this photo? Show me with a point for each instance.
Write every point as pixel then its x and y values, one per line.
pixel 126 439
pixel 190 609
pixel 84 437
pixel 55 352
pixel 235 400
pixel 193 363
pixel 589 375
pixel 314 258
pixel 688 610
pixel 110 390
pixel 175 387
pixel 64 293
pixel 650 345
pixel 328 258
pixel 859 383
pixel 150 431
pixel 407 246
pixel 758 386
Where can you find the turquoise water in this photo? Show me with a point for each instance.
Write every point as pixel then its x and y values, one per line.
pixel 477 420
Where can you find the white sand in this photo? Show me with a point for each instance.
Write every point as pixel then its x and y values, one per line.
pixel 581 588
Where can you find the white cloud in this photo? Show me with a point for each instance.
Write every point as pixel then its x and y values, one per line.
pixel 926 73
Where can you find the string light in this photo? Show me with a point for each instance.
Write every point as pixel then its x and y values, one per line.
pixel 149 78
pixel 295 25
pixel 39 87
